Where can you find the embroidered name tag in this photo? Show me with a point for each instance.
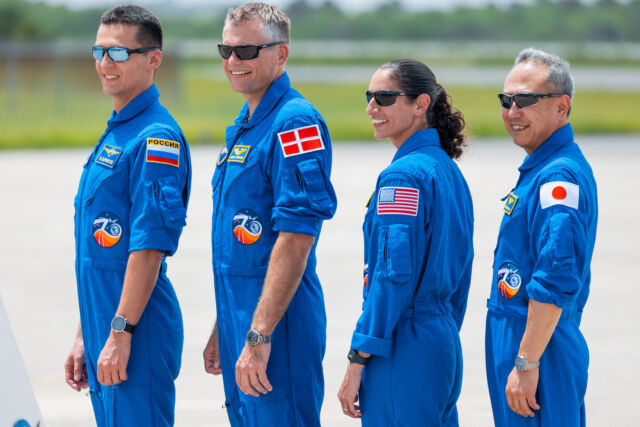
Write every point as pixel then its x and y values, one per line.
pixel 239 153
pixel 109 155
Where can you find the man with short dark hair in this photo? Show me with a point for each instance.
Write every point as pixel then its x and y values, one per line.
pixel 130 210
pixel 536 356
pixel 271 192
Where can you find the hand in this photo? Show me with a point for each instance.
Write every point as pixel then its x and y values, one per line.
pixel 211 354
pixel 251 369
pixel 521 391
pixel 348 394
pixel 114 357
pixel 75 367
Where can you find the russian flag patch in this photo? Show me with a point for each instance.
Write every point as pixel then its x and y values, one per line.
pixel 559 193
pixel 163 151
pixel 301 140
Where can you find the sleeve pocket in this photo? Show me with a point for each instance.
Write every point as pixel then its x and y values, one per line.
pixel 561 234
pixel 312 179
pixel 398 253
pixel 171 206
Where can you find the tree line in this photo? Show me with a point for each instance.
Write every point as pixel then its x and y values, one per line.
pixel 543 20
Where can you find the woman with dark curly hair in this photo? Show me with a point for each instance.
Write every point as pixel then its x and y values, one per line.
pixel 405 359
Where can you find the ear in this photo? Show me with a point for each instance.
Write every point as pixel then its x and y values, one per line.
pixel 422 104
pixel 155 59
pixel 563 105
pixel 283 53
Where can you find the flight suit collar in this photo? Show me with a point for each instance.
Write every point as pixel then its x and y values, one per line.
pixel 135 106
pixel 557 140
pixel 268 102
pixel 421 138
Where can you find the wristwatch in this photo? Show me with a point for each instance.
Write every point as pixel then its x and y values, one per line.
pixel 354 357
pixel 254 338
pixel 121 324
pixel 523 364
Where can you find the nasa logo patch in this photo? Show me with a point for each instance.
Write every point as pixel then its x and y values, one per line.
pixel 247 226
pixel 509 280
pixel 107 229
pixel 223 155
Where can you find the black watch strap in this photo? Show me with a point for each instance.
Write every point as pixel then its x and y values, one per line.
pixel 354 357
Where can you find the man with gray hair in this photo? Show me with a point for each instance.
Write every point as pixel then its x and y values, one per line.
pixel 536 356
pixel 271 192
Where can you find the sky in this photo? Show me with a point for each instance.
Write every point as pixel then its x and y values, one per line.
pixel 347 5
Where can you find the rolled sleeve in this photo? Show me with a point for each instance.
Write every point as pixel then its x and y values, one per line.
pixel 372 345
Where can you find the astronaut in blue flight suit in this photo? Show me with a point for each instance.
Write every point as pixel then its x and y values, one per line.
pixel 271 192
pixel 129 213
pixel 536 356
pixel 406 357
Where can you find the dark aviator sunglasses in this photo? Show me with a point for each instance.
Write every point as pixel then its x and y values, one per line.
pixel 523 100
pixel 117 53
pixel 243 52
pixel 384 98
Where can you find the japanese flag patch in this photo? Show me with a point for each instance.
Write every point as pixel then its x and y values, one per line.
pixel 301 140
pixel 559 193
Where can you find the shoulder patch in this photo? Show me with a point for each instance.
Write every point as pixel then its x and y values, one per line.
pixel 398 200
pixel 239 153
pixel 301 140
pixel 559 193
pixel 109 155
pixel 163 151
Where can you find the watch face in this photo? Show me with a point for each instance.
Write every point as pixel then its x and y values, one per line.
pixel 252 337
pixel 118 323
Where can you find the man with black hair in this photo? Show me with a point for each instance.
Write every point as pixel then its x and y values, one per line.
pixel 129 213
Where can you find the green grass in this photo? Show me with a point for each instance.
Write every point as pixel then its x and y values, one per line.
pixel 75 115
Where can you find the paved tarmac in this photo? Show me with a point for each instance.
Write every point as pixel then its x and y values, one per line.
pixel 38 286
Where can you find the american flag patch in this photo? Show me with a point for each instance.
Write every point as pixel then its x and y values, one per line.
pixel 398 200
pixel 301 140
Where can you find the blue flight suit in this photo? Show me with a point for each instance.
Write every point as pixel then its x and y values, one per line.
pixel 272 175
pixel 418 240
pixel 133 196
pixel 544 250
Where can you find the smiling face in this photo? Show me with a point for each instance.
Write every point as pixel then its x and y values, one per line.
pixel 127 79
pixel 531 126
pixel 252 77
pixel 400 120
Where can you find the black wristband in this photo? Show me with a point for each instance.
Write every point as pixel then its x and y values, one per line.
pixel 354 357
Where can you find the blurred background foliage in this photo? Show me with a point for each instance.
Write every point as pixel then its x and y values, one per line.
pixel 50 95
pixel 603 20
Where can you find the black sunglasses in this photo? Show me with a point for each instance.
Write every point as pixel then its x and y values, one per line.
pixel 384 98
pixel 118 54
pixel 245 51
pixel 523 100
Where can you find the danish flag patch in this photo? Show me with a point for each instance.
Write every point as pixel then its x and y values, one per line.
pixel 301 140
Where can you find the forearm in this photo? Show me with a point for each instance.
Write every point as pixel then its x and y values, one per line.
pixel 542 319
pixel 139 280
pixel 286 267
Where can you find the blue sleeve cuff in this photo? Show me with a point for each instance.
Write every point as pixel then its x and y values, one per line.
pixel 539 293
pixel 372 345
pixel 311 226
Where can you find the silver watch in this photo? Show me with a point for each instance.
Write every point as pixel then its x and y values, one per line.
pixel 254 337
pixel 523 364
